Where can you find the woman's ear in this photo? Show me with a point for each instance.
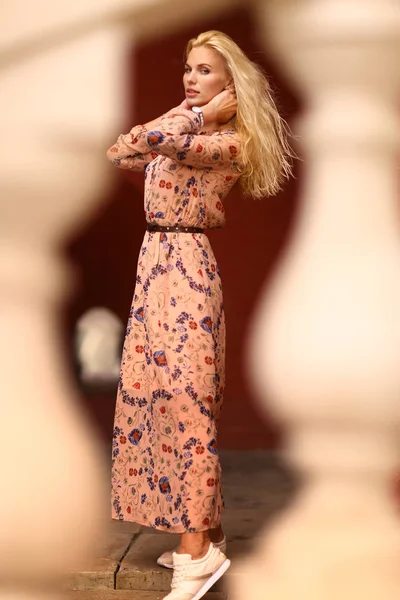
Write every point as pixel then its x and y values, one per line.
pixel 231 87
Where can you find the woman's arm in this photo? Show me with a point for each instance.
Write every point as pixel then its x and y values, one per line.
pixel 124 155
pixel 129 153
pixel 178 139
pixel 174 135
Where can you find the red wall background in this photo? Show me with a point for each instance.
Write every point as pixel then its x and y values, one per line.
pixel 105 252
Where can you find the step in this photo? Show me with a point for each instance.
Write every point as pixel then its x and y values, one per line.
pixel 128 595
pixel 255 487
pixel 126 557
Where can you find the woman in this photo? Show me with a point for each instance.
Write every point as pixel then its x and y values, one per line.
pixel 166 471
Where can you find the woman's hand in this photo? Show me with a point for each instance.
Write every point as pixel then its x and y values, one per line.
pixel 221 108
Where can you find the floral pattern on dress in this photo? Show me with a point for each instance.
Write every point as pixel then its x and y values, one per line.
pixel 165 467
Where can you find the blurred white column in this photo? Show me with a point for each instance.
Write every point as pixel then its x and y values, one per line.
pixel 326 341
pixel 61 102
pixel 62 73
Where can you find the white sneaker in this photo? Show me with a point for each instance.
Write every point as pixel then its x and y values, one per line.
pixel 165 560
pixel 193 578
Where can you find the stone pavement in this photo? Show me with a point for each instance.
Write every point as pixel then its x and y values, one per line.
pixel 256 486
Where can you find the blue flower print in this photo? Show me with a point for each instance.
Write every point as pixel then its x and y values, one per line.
pixel 154 138
pixel 184 316
pixel 164 485
pixel 165 523
pixel 160 359
pixel 212 446
pixel 135 436
pixel 188 141
pixel 139 314
pixel 206 324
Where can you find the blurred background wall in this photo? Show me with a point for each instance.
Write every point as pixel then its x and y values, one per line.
pixel 104 253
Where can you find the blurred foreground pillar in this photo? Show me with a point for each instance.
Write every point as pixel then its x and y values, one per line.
pixel 60 81
pixel 62 74
pixel 326 341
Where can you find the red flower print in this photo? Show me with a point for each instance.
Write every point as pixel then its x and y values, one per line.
pixel 213 268
pixel 195 192
pixel 131 472
pixel 210 398
pixel 206 521
pixel 155 478
pixel 159 323
pixel 153 155
pixel 153 139
pixel 168 185
pixel 128 509
pixel 228 178
pixel 200 449
pixel 200 272
pixel 210 482
pixel 114 149
pixel 233 149
pixel 122 439
pixel 169 450
pixel 163 410
pixel 160 358
pixel 164 448
pixel 152 215
pixel 139 349
pixel 136 385
pixel 192 325
pixel 199 148
pixel 162 183
pixel 208 360
pixel 218 205
pixel 135 472
pixel 164 485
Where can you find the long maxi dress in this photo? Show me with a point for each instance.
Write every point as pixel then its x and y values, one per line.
pixel 165 467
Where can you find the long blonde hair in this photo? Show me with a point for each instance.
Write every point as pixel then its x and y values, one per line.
pixel 265 155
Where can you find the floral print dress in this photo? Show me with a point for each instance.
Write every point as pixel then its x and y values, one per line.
pixel 165 468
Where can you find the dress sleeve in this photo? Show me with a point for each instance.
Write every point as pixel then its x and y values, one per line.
pixel 124 154
pixel 176 135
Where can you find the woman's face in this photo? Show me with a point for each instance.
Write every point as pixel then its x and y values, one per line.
pixel 205 76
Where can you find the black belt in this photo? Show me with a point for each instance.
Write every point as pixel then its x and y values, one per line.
pixel 173 228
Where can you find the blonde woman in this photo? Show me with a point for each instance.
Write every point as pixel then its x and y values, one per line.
pixel 166 471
